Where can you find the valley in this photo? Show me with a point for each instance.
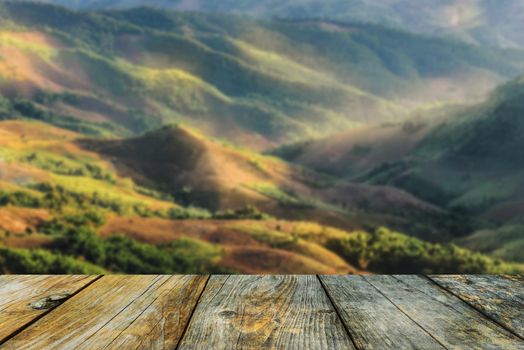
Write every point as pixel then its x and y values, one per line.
pixel 149 141
pixel 470 162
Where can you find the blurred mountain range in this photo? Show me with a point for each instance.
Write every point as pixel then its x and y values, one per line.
pixel 486 22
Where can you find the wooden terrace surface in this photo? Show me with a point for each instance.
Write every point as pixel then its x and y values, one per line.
pixel 261 312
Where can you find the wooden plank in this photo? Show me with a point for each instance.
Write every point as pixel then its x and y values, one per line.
pixel 265 312
pixel 118 312
pixel 372 320
pixel 25 298
pixel 501 298
pixel 452 322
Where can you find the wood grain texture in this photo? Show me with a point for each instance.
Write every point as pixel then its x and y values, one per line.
pixel 265 312
pixel 25 298
pixel 499 297
pixel 372 320
pixel 118 312
pixel 452 322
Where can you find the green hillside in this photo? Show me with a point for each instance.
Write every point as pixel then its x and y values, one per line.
pixel 476 149
pixel 255 82
pixel 469 161
pixel 480 149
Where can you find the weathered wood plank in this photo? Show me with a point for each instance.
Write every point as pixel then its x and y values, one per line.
pixel 372 320
pixel 265 312
pixel 452 322
pixel 25 298
pixel 499 297
pixel 118 312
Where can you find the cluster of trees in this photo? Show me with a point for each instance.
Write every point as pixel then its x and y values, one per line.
pixel 5 108
pixel 60 165
pixel 123 255
pixel 389 252
pixel 77 248
pixel 26 108
pixel 249 212
pixel 58 199
pixel 40 261
pixel 20 199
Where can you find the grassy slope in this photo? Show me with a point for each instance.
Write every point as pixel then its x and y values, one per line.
pixel 505 242
pixel 198 171
pixel 481 150
pixel 33 153
pixel 194 169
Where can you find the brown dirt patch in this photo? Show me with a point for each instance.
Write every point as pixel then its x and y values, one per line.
pixel 271 261
pixel 18 220
pixel 24 241
pixel 159 231
pixel 21 174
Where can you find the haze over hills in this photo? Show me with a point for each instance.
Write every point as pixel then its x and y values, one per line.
pixel 470 161
pixel 479 143
pixel 257 83
pixel 485 22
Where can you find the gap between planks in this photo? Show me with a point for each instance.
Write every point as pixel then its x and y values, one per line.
pixel 136 313
pixel 482 312
pixel 192 313
pixel 361 339
pixel 337 312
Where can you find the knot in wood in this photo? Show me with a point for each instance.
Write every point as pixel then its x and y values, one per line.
pixel 227 314
pixel 49 301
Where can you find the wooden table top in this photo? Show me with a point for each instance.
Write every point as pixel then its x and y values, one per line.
pixel 261 312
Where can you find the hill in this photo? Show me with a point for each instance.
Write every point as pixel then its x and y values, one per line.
pixel 475 147
pixel 485 22
pixel 258 83
pixel 480 149
pixel 351 154
pixel 214 175
pixel 469 161
pixel 173 171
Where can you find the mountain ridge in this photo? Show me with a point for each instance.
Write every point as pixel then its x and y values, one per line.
pixel 484 22
pixel 153 67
